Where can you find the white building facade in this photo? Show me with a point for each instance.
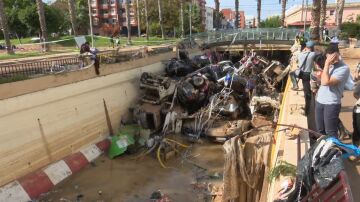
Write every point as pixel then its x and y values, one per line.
pixel 209 19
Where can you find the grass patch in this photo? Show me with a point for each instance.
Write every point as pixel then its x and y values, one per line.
pixel 18 55
pixel 99 41
pixel 14 78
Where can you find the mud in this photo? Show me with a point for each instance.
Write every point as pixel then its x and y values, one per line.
pixel 125 179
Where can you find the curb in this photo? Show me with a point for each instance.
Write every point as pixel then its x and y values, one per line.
pixel 31 186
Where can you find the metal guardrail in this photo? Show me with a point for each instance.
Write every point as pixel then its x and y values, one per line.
pixel 240 35
pixel 38 67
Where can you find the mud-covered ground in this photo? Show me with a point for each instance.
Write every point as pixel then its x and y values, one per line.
pixel 125 179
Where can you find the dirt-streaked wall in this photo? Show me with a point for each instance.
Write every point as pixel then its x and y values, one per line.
pixel 44 119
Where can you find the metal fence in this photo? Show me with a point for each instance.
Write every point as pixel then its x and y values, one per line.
pixel 24 70
pixel 38 67
pixel 235 35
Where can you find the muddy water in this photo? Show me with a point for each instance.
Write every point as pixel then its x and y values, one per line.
pixel 124 179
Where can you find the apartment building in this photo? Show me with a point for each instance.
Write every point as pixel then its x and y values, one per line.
pixel 111 13
pixel 295 16
pixel 229 15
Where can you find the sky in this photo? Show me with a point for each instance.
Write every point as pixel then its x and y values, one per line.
pixel 269 7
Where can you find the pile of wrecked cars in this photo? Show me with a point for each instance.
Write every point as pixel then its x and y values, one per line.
pixel 199 97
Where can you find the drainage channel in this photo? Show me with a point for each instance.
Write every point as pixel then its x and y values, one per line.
pixel 170 146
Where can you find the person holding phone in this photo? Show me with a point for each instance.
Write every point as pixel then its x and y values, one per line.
pixel 328 99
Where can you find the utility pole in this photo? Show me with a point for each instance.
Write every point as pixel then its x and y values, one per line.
pixel 305 15
pixel 91 25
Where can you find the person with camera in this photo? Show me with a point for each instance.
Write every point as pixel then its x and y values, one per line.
pixel 334 78
pixel 305 67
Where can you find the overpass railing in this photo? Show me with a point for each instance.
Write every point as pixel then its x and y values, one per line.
pixel 234 35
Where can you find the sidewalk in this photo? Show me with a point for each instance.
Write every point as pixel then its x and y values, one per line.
pixel 71 54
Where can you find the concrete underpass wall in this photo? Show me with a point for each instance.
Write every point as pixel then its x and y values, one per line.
pixel 48 124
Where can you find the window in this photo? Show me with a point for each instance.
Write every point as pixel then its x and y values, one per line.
pixel 93 11
pixel 93 1
pixel 96 21
pixel 104 2
pixel 113 11
pixel 105 12
pixel 114 20
pixel 112 2
pixel 332 12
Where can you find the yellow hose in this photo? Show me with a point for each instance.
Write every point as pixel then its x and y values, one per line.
pixel 158 156
pixel 170 140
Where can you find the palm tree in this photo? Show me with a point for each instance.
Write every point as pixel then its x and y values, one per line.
pixel 161 20
pixel 147 19
pixel 41 13
pixel 217 13
pixel 128 20
pixel 182 18
pixel 283 9
pixel 315 23
pixel 72 12
pixel 322 18
pixel 339 13
pixel 258 13
pixel 138 17
pixel 4 27
pixel 237 14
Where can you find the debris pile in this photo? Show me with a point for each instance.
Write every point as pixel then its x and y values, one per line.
pixel 196 98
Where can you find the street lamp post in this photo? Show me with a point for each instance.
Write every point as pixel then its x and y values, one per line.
pixel 91 25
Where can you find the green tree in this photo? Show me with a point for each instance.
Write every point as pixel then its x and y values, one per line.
pixel 43 27
pixel 72 14
pixel 4 27
pixel 217 20
pixel 237 17
pixel 271 22
pixel 339 13
pixel 283 9
pixel 258 13
pixel 82 17
pixel 30 18
pixel 322 17
pixel 315 23
pixel 170 14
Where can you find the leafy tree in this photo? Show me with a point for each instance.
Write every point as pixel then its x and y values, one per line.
pixel 82 16
pixel 171 13
pixel 271 22
pixel 29 17
pixel 315 23
pixel 5 30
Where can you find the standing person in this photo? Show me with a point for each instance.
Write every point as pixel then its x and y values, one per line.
pixel 328 99
pixel 85 48
pixel 112 41
pixel 305 67
pixel 303 41
pixel 356 117
pixel 117 41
